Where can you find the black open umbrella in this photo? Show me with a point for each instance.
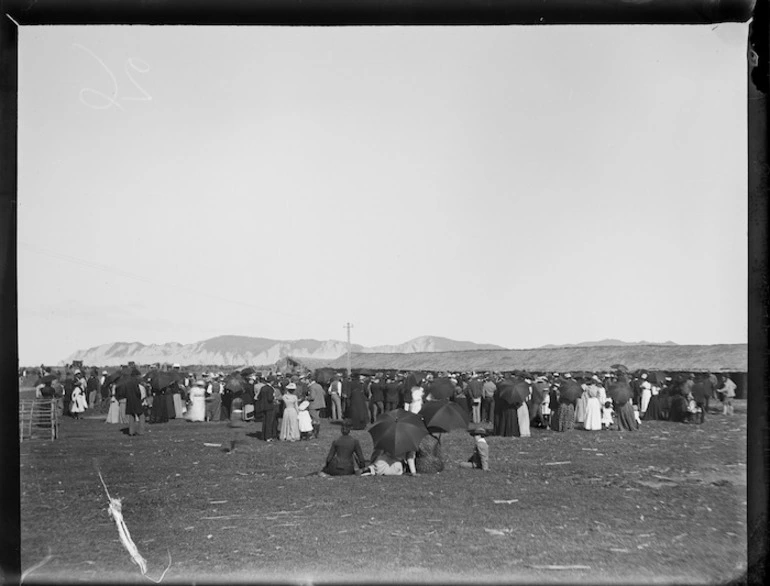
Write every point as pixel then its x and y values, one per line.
pixel 570 390
pixel 444 416
pixel 621 367
pixel 398 432
pixel 247 371
pixel 620 392
pixel 117 376
pixel 234 384
pixel 512 391
pixel 159 380
pixel 48 378
pixel 441 388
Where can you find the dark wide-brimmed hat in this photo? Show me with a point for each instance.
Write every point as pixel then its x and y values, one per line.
pixel 479 431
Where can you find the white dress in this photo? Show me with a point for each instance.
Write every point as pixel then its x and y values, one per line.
pixel 179 406
pixel 197 410
pixel 303 418
pixel 593 416
pixel 78 404
pixel 417 395
pixel 646 394
pixel 113 415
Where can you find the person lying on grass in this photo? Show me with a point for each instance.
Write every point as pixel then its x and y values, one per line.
pixel 345 453
pixel 383 465
pixel 480 457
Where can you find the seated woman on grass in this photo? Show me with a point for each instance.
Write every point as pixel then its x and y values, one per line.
pixel 345 453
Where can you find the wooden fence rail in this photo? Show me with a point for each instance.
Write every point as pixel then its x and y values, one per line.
pixel 38 418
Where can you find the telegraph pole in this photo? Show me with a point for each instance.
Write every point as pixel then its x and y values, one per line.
pixel 347 326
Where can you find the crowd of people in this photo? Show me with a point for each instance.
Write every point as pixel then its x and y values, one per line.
pixel 556 401
pixel 291 407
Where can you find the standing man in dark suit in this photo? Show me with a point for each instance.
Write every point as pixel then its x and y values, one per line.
pixel 266 406
pixel 93 389
pixel 392 392
pixel 476 392
pixel 129 386
pixel 345 397
pixel 377 397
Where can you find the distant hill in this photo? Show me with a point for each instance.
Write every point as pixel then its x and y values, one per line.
pixel 246 350
pixel 609 342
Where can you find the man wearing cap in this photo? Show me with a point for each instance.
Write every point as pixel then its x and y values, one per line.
pixel 315 396
pixel 480 457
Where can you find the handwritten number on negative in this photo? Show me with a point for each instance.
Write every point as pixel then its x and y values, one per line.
pixel 102 101
pixel 141 67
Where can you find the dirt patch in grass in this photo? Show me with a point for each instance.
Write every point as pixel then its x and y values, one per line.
pixel 665 504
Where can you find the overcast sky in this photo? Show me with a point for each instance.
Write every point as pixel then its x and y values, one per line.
pixel 511 185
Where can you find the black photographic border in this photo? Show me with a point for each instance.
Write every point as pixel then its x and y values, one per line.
pixel 15 13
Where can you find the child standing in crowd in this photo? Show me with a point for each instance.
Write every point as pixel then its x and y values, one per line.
pixel 304 420
pixel 607 422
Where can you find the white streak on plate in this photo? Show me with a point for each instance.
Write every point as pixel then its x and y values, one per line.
pixel 506 502
pixel 561 567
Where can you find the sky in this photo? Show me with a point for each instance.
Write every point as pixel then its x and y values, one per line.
pixel 517 186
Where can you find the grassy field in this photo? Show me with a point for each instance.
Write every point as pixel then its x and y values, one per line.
pixel 664 505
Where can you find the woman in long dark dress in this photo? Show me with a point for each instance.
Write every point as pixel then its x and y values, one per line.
pixel 168 396
pixel 624 418
pixel 553 405
pixel 654 412
pixel 565 420
pixel 624 412
pixel 159 411
pixel 509 419
pixel 358 410
pixel 264 406
pixel 678 408
pixel 569 395
pixel 498 412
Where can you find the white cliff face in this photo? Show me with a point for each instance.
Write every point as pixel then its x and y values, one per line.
pixel 242 350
